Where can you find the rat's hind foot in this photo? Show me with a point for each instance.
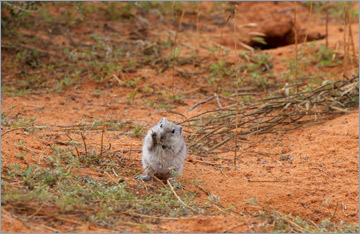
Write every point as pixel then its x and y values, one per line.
pixel 144 178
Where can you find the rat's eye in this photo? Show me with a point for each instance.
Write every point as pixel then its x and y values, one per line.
pixel 173 131
pixel 161 125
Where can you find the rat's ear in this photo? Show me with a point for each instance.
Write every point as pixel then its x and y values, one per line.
pixel 162 120
pixel 180 129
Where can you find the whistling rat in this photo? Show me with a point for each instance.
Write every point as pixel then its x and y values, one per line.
pixel 164 150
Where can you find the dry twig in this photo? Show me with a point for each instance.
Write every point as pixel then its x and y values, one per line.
pixel 237 92
pixel 83 138
pixel 216 128
pixel 172 189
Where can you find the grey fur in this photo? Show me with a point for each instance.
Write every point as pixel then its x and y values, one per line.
pixel 163 151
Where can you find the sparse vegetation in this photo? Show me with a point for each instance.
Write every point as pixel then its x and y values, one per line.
pixel 317 56
pixel 60 189
pixel 138 131
pixel 81 81
pixel 259 68
pixel 336 9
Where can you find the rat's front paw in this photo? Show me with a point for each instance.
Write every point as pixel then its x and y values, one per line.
pixel 153 136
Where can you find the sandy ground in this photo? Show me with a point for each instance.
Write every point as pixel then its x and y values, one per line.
pixel 312 171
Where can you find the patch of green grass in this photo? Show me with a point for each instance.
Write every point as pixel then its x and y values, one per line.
pixel 148 89
pixel 212 50
pixel 258 66
pixel 220 6
pixel 46 16
pixel 101 70
pixel 115 126
pixel 63 83
pixel 138 131
pixel 117 11
pixel 132 83
pixel 22 122
pixel 17 121
pixel 132 63
pixel 149 102
pixel 98 93
pixel 21 155
pixel 111 125
pixel 258 61
pixel 100 61
pixel 29 58
pixel 14 92
pixel 173 55
pixel 336 9
pixel 246 98
pixel 18 12
pixel 317 56
pixel 163 105
pixel 7 89
pixel 289 223
pixel 325 57
pixel 219 71
pixel 168 43
pixel 174 98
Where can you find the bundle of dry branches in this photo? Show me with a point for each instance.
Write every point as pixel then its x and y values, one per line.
pixel 214 129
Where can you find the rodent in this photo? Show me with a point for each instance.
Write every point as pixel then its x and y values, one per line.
pixel 164 151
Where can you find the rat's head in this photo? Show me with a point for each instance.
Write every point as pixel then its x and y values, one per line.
pixel 168 131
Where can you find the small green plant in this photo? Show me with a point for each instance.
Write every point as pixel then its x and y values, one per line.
pixel 325 57
pixel 212 50
pixel 217 71
pixel 132 83
pixel 96 123
pixel 246 98
pixel 260 40
pixel 132 95
pixel 173 98
pixel 256 62
pixel 63 83
pixel 149 102
pixel 132 63
pixel 173 55
pixel 17 121
pixel 6 89
pixel 27 57
pixel 168 43
pixel 111 125
pixel 18 12
pixel 315 55
pixel 5 115
pixel 21 155
pixel 138 131
pixel 259 68
pixel 163 105
pixel 148 89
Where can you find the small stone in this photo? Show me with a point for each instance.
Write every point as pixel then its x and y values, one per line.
pixel 285 158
